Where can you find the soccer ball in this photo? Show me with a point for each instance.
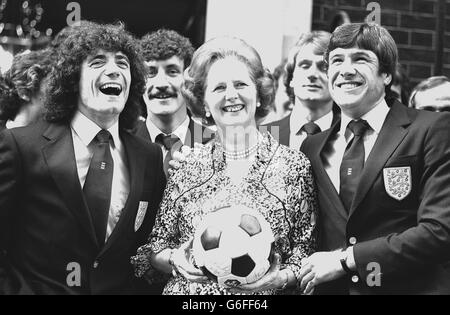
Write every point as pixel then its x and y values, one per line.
pixel 233 245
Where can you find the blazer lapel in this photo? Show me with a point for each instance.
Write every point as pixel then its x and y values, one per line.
pixel 323 181
pixel 142 131
pixel 136 169
pixel 60 158
pixel 391 135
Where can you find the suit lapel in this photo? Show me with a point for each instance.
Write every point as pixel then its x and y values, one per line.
pixel 60 158
pixel 323 181
pixel 136 169
pixel 142 131
pixel 391 135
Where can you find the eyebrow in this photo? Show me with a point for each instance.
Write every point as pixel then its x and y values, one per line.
pixel 121 57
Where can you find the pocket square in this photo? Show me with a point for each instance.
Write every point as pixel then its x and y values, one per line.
pixel 142 210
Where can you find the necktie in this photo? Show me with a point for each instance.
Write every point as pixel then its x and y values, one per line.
pixel 97 187
pixel 172 143
pixel 311 128
pixel 352 163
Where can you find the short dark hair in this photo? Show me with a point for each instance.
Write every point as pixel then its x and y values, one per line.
pixel 369 36
pixel 164 44
pixel 319 39
pixel 83 41
pixel 23 79
pixel 426 84
pixel 220 48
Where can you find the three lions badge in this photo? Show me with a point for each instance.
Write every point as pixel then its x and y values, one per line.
pixel 142 210
pixel 397 182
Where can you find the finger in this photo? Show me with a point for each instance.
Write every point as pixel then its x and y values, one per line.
pixel 174 165
pixel 269 278
pixel 309 288
pixel 310 291
pixel 305 280
pixel 178 156
pixel 186 150
pixel 304 270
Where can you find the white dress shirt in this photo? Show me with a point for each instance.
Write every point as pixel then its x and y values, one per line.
pixel 299 117
pixel 180 132
pixel 84 131
pixel 375 118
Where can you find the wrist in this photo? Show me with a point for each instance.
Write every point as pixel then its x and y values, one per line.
pixel 347 267
pixel 284 279
pixel 171 261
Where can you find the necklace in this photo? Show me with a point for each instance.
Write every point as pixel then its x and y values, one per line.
pixel 244 154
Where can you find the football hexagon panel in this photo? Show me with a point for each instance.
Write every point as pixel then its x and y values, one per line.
pixel 242 266
pixel 210 238
pixel 250 224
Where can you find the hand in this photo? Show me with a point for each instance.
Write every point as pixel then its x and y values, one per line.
pixel 273 279
pixel 182 265
pixel 318 268
pixel 178 157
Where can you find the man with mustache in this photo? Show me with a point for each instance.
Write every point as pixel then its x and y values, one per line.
pixel 306 84
pixel 78 193
pixel 167 54
pixel 383 177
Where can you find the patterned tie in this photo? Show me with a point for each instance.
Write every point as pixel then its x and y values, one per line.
pixel 172 143
pixel 98 184
pixel 310 128
pixel 352 163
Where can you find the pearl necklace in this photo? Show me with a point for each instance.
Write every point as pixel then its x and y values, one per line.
pixel 244 154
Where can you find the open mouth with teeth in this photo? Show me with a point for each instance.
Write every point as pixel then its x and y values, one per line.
pixel 233 108
pixel 113 89
pixel 349 85
pixel 162 96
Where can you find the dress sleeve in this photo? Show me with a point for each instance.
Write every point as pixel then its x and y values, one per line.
pixel 303 206
pixel 165 233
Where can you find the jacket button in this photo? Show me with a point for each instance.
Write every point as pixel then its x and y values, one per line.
pixel 95 265
pixel 355 279
pixel 352 240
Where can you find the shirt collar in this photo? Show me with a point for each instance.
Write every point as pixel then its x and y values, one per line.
pixel 86 129
pixel 180 132
pixel 300 116
pixel 375 117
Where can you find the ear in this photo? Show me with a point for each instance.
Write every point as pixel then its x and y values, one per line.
pixel 24 97
pixel 387 78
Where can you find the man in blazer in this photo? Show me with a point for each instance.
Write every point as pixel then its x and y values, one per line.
pixel 78 193
pixel 384 228
pixel 306 84
pixel 167 54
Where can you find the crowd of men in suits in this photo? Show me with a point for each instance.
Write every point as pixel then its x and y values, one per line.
pixel 79 189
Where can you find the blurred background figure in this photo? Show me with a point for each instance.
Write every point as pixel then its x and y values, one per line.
pixel 400 88
pixel 282 105
pixel 306 83
pixel 22 88
pixel 432 94
pixel 341 17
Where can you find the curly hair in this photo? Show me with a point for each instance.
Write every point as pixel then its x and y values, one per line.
pixel 220 48
pixel 164 44
pixel 319 39
pixel 81 42
pixel 23 80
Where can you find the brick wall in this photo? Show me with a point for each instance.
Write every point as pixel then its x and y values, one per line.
pixel 412 23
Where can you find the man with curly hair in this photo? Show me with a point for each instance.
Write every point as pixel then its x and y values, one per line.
pixel 22 86
pixel 167 54
pixel 78 193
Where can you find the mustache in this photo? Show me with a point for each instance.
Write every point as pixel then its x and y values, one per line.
pixel 164 94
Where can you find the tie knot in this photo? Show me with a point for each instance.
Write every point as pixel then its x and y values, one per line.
pixel 358 127
pixel 167 140
pixel 103 136
pixel 311 128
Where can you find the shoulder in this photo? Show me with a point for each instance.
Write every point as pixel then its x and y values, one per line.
pixel 294 159
pixel 282 122
pixel 152 148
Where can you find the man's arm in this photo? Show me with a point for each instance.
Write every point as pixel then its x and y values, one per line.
pixel 9 196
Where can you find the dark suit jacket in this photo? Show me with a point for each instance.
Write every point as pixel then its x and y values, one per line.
pixel 284 126
pixel 2 125
pixel 45 224
pixel 196 133
pixel 408 238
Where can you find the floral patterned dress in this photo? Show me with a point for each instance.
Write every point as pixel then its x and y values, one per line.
pixel 279 184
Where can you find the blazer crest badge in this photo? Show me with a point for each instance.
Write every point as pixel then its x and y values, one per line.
pixel 397 181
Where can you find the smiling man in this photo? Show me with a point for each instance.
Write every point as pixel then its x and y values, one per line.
pixel 383 177
pixel 306 84
pixel 167 54
pixel 78 193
